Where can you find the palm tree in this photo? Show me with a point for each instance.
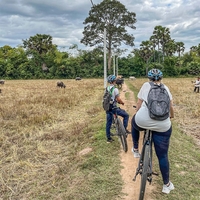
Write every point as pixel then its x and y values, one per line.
pixel 146 51
pixel 162 36
pixel 170 47
pixel 195 49
pixel 180 48
pixel 153 42
pixel 157 36
pixel 165 38
pixel 198 49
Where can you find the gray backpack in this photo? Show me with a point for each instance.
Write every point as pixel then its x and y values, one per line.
pixel 107 99
pixel 158 102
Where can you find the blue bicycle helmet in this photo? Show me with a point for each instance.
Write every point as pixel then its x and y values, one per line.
pixel 111 78
pixel 155 75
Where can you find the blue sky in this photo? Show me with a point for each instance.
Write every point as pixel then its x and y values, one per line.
pixel 63 20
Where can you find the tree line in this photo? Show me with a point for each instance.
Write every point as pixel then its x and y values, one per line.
pixel 39 58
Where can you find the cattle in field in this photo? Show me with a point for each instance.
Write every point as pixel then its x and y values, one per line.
pixel 2 82
pixel 119 82
pixel 132 78
pixel 78 78
pixel 60 84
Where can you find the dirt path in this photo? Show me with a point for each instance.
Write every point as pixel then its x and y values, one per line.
pixel 129 163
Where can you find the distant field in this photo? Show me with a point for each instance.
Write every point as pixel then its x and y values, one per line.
pixel 44 130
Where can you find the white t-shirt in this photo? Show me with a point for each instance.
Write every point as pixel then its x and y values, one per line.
pixel 197 82
pixel 115 93
pixel 142 118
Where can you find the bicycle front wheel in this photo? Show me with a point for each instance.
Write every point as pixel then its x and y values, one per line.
pixel 145 171
pixel 121 132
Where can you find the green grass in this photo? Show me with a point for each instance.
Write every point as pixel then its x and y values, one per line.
pixel 184 158
pixel 131 87
pixel 127 95
pixel 96 175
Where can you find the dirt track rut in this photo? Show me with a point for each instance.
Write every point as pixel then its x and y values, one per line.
pixel 129 163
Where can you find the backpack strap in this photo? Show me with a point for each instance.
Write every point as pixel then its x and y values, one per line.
pixel 111 90
pixel 153 85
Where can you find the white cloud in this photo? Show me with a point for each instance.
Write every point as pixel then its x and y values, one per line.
pixel 63 20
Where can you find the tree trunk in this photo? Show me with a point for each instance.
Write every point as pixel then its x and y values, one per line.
pixel 109 59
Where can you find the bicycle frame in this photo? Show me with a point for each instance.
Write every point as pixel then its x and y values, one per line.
pixel 145 163
pixel 120 131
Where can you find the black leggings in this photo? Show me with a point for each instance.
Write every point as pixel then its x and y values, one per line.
pixel 161 142
pixel 196 88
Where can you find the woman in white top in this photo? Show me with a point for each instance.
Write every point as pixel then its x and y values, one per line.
pixel 161 129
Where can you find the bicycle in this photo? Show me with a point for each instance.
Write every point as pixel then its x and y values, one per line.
pixel 145 163
pixel 120 131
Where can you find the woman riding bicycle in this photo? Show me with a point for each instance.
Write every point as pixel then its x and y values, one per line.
pixel 109 114
pixel 161 129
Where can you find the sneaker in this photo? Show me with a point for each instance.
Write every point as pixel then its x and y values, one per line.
pixel 136 153
pixel 166 189
pixel 109 140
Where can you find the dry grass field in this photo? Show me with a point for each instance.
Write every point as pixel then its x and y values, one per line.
pixel 42 129
pixel 46 133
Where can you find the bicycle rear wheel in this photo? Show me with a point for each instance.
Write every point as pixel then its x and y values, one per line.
pixel 121 132
pixel 145 171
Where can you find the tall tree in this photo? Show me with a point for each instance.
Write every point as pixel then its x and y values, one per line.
pixel 170 47
pixel 38 47
pixel 162 36
pixel 157 37
pixel 196 49
pixel 193 48
pixel 146 51
pixel 180 48
pixel 113 16
pixel 153 42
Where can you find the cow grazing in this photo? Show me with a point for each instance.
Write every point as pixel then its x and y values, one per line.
pixel 2 82
pixel 119 82
pixel 78 78
pixel 60 84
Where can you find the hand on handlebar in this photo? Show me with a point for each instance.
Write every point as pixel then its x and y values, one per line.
pixel 120 102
